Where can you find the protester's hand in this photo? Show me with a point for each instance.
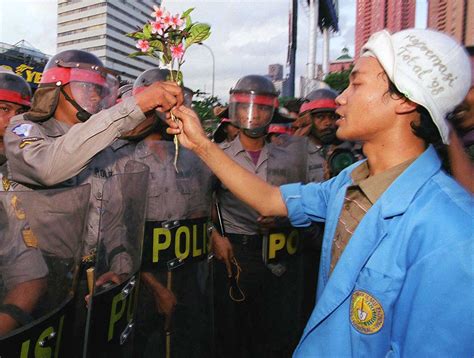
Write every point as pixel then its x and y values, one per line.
pixel 222 249
pixel 162 96
pixel 188 128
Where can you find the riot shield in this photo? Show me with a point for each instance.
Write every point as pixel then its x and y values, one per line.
pixel 41 237
pixel 114 278
pixel 173 313
pixel 287 163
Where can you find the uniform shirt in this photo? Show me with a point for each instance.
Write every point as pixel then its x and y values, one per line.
pixel 174 195
pixel 358 200
pixel 54 153
pixel 20 258
pixel 51 152
pixel 239 218
pixel 316 162
pixel 405 277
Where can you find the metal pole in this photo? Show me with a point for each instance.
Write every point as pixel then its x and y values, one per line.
pixel 292 47
pixel 326 40
pixel 313 28
pixel 213 67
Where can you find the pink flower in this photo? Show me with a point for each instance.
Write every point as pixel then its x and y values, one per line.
pixel 177 52
pixel 143 45
pixel 158 13
pixel 167 20
pixel 176 21
pixel 157 28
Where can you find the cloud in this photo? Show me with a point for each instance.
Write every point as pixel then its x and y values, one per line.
pixel 247 36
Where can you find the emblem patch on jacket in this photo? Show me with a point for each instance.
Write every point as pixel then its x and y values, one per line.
pixel 22 130
pixel 367 315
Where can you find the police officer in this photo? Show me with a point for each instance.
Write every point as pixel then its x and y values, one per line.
pixel 70 137
pixel 15 98
pixel 22 268
pixel 57 141
pixel 173 316
pixel 253 311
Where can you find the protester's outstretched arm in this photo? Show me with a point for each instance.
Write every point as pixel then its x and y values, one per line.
pixel 261 196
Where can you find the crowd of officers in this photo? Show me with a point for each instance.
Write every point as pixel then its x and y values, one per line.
pixel 84 164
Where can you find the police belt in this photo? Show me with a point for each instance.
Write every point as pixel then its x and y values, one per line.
pixel 253 242
pixel 170 244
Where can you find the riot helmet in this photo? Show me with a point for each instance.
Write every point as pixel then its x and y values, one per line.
pixel 321 105
pixel 124 91
pixel 252 104
pixel 92 86
pixel 14 89
pixel 155 120
pixel 149 77
pixel 15 98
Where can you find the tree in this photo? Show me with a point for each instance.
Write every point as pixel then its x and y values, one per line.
pixel 338 81
pixel 204 106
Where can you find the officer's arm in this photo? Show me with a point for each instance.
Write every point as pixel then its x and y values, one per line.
pixel 19 302
pixel 37 159
pixel 261 196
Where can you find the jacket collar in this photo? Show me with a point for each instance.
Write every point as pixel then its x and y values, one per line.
pixel 400 194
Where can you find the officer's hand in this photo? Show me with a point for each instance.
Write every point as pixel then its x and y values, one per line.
pixel 160 95
pixel 222 248
pixel 188 128
pixel 165 301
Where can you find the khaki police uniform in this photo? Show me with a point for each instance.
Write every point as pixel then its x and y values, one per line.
pixel 54 153
pixel 271 291
pixel 175 251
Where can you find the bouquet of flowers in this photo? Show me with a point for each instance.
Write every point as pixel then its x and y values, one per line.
pixel 167 38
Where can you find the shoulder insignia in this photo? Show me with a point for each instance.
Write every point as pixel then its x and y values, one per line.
pixel 29 238
pixel 367 315
pixel 24 142
pixel 22 130
pixel 19 212
pixel 5 183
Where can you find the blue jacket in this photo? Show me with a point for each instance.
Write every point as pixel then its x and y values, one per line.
pixel 404 285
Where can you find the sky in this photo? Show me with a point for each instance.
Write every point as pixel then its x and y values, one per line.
pixel 247 36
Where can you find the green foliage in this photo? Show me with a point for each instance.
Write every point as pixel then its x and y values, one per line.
pixel 160 45
pixel 338 81
pixel 204 106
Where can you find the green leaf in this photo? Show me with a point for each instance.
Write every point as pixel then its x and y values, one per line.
pixel 178 77
pixel 157 45
pixel 198 33
pixel 137 35
pixel 186 13
pixel 147 31
pixel 136 54
pixel 166 56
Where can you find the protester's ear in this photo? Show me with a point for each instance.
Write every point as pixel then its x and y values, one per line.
pixel 405 106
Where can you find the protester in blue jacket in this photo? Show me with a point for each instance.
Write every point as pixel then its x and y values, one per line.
pixel 396 269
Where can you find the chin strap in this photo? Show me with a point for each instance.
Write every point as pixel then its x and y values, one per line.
pixel 81 114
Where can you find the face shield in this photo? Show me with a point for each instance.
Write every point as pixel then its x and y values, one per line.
pixel 93 90
pixel 250 110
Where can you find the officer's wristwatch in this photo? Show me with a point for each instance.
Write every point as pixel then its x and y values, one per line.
pixel 210 227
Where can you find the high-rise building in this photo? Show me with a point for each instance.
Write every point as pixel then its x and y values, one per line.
pixel 454 17
pixel 99 27
pixel 275 71
pixel 375 15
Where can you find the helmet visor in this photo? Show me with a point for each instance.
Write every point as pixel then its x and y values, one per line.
pixel 92 90
pixel 250 111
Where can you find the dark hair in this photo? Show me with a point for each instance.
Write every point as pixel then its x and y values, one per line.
pixel 426 129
